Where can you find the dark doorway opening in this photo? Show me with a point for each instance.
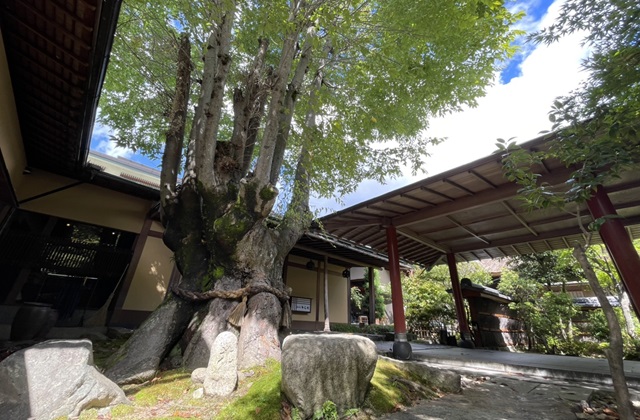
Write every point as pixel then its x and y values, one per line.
pixel 67 265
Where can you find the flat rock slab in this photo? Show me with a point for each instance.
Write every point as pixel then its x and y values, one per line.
pixel 53 379
pixel 332 367
pixel 441 378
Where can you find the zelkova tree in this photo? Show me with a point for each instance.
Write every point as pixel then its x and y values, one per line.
pixel 287 99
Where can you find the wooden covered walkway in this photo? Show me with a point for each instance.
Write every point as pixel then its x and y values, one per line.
pixel 473 212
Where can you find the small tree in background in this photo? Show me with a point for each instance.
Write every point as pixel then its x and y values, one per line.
pixel 360 297
pixel 610 281
pixel 547 267
pixel 428 304
pixel 524 294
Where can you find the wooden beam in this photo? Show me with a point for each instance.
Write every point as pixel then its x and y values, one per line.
pixel 624 186
pixel 372 296
pixel 483 179
pixel 138 247
pixel 518 218
pixel 407 233
pixel 419 200
pixel 438 193
pixel 560 233
pixel 458 186
pixel 347 261
pixel 466 229
pixel 393 203
pixel 457 296
pixel 383 209
pixel 619 245
pixel 470 202
pixel 338 223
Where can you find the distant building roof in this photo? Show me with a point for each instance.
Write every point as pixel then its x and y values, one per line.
pixel 126 169
pixel 593 303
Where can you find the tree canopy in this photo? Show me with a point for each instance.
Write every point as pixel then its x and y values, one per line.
pixel 387 67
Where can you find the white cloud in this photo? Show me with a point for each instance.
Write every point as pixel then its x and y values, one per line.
pixel 110 148
pixel 516 109
pixel 101 141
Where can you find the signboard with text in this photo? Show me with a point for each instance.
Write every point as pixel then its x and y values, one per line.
pixel 300 304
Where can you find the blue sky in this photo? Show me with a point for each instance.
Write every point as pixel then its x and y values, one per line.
pixel 535 11
pixel 515 106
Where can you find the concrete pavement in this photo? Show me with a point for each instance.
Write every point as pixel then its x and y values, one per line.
pixel 539 365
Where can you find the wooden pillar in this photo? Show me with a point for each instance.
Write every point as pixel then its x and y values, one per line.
pixel 318 289
pixel 401 347
pixel 619 245
pixel 372 297
pixel 348 320
pixel 138 247
pixel 327 323
pixel 457 297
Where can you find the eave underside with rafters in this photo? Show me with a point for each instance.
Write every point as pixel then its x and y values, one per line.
pixel 474 212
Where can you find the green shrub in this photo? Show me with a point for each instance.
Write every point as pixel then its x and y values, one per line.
pixel 366 329
pixel 329 411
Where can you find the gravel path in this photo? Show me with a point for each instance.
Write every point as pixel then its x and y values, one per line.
pixel 505 397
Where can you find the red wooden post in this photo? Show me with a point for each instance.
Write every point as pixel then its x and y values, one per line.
pixel 618 244
pixel 401 347
pixel 457 297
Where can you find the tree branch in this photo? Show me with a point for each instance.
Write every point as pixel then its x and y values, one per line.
pixel 210 104
pixel 298 216
pixel 286 113
pixel 615 351
pixel 248 106
pixel 269 137
pixel 175 134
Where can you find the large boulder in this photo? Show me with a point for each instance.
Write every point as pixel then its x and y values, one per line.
pixel 53 379
pixel 320 368
pixel 221 377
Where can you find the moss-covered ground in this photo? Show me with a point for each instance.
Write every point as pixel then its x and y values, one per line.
pixel 170 395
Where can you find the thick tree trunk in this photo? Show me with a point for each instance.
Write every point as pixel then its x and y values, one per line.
pixel 259 258
pixel 615 351
pixel 138 359
pixel 259 339
pixel 258 263
pixel 207 324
